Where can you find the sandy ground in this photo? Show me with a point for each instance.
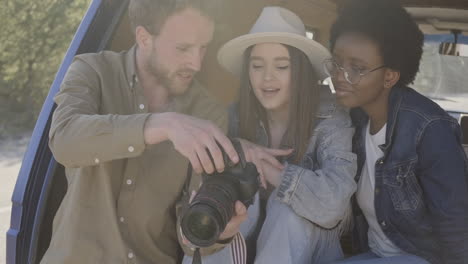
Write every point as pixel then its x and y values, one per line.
pixel 11 155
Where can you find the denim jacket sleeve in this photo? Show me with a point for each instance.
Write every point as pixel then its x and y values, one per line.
pixel 444 182
pixel 321 192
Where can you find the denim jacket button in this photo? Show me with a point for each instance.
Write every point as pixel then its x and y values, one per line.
pixel 380 162
pixel 383 224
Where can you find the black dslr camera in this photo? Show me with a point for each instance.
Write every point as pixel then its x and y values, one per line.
pixel 213 205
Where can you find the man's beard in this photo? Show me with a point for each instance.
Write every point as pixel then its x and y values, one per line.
pixel 167 80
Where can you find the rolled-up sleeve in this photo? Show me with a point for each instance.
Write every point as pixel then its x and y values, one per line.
pixel 79 135
pixel 321 193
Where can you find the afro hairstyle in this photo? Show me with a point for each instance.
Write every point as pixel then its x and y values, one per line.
pixel 390 26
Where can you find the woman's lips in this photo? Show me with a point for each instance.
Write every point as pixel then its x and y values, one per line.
pixel 270 91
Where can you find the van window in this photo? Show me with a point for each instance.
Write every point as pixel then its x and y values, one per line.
pixel 443 78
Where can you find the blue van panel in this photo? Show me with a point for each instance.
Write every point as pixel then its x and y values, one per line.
pixel 30 159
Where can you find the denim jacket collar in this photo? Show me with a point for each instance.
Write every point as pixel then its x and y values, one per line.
pixel 327 105
pixel 395 99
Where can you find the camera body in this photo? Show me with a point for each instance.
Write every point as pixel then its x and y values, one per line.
pixel 213 206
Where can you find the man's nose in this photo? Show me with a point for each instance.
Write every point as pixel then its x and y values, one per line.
pixel 195 61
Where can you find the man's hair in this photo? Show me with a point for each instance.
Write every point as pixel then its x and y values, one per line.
pixel 303 104
pixel 387 23
pixel 152 14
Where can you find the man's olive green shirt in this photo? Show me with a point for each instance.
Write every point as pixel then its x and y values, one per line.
pixel 122 194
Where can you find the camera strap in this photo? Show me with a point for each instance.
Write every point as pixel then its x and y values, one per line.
pixel 188 179
pixel 240 152
pixel 186 191
pixel 197 257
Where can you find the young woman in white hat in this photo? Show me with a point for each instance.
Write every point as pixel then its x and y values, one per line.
pixel 305 204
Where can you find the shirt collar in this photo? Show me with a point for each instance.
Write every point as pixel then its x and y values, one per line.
pixel 130 66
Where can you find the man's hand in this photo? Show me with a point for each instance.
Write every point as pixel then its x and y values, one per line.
pixel 263 158
pixel 232 227
pixel 192 137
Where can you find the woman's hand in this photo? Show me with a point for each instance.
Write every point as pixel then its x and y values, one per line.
pixel 264 159
pixel 272 174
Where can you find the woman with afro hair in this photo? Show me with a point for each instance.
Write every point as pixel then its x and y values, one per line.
pixel 411 205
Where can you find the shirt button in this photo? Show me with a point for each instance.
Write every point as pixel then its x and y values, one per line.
pixel 122 219
pixel 130 255
pixel 129 182
pixel 96 160
pixel 142 106
pixel 131 149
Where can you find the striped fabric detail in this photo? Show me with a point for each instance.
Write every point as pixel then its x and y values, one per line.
pixel 239 250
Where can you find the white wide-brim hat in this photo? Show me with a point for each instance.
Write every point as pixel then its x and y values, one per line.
pixel 274 25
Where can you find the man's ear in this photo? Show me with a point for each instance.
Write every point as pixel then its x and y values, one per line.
pixel 143 38
pixel 391 78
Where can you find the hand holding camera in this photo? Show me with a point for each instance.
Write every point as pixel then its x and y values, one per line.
pixel 213 213
pixel 214 205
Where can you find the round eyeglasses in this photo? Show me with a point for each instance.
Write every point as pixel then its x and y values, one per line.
pixel 352 75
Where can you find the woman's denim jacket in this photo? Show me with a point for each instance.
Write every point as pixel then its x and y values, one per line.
pixel 421 192
pixel 320 189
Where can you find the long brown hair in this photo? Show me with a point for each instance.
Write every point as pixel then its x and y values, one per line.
pixel 302 106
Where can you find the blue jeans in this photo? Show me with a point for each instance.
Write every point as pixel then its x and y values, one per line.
pixel 371 258
pixel 284 238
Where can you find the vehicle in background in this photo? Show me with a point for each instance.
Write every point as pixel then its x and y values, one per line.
pixel 443 72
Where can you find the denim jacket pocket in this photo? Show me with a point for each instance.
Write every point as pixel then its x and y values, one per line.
pixel 403 187
pixel 308 161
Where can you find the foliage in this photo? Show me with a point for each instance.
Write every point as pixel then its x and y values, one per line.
pixel 34 36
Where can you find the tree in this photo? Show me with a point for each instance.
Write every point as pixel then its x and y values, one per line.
pixel 34 36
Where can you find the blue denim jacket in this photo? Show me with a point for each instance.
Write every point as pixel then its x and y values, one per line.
pixel 421 191
pixel 321 187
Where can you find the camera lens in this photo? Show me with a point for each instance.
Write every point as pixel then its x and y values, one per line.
pixel 201 225
pixel 210 211
pixel 213 206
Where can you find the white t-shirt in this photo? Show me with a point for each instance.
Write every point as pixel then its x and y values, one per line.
pixel 378 241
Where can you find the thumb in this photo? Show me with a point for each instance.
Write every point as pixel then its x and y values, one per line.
pixel 240 208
